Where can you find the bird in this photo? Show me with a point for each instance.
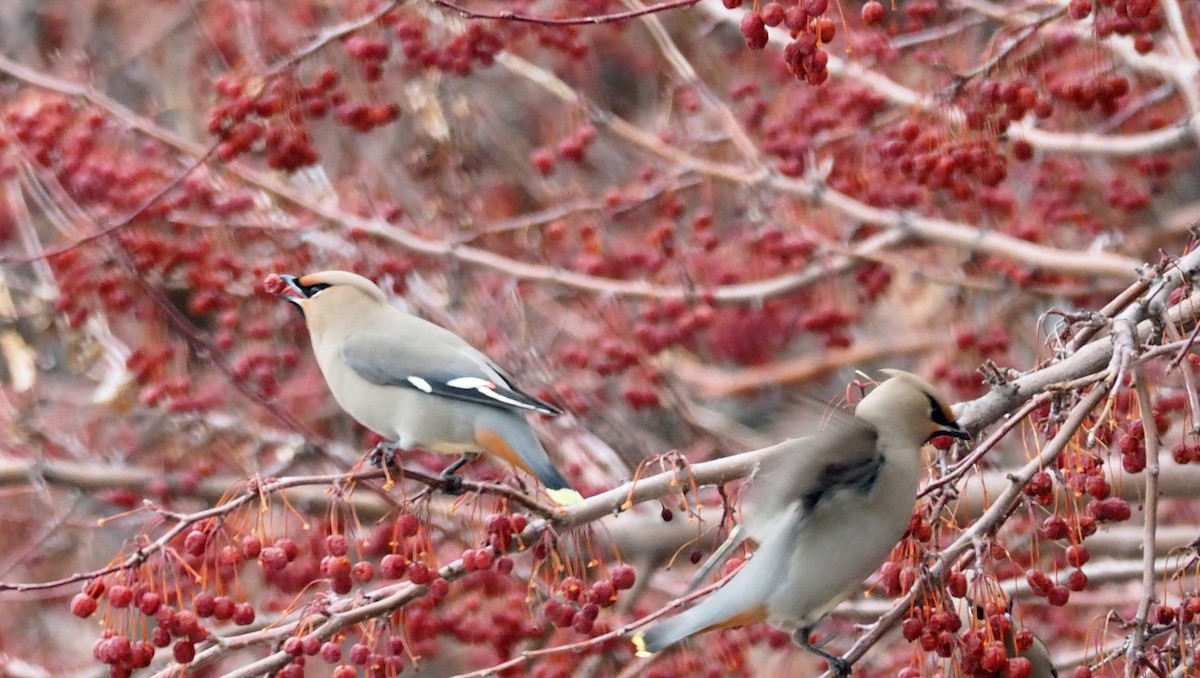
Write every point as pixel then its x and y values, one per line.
pixel 825 511
pixel 416 384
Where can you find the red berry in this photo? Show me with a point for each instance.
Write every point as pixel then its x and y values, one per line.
pixel 150 603
pixel 1077 580
pixel 407 525
pixel 251 546
pixel 288 547
pixel 1038 581
pixel 543 160
pixel 956 584
pixel 603 593
pixel 273 559
pixel 331 653
pixel 363 571
pixel 1058 596
pixel 911 629
pixel 995 657
pixel 581 623
pixel 438 588
pixel 337 545
pixel 204 603
pixel 141 655
pixel 1054 527
pixel 1097 486
pixel 623 577
pixel 223 608
pixel 393 566
pixel 293 646
pixel 360 654
pixel 1017 667
pixel 571 588
pixel 83 605
pixel 754 30
pixel 229 556
pixel 243 614
pixel 772 14
pixel 120 596
pixel 872 13
pixel 335 567
pixel 195 543
pixel 1077 555
pixel 184 651
pixel 1113 509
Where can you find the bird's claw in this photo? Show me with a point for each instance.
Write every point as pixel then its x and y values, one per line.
pixel 452 485
pixel 383 456
pixel 839 666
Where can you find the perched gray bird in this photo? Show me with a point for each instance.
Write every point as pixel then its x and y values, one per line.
pixel 417 384
pixel 826 511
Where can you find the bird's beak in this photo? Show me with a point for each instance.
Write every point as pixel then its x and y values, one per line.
pixel 953 429
pixel 293 293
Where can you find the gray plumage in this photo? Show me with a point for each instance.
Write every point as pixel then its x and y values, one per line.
pixel 825 511
pixel 418 384
pixel 1039 658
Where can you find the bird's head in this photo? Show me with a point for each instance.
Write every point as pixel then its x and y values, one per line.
pixel 319 295
pixel 910 409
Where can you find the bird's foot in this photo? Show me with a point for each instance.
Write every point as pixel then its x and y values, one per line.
pixel 839 666
pixel 452 485
pixel 384 455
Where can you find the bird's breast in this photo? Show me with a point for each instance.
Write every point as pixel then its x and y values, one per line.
pixel 404 415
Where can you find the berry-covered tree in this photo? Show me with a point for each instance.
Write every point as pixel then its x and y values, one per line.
pixel 670 219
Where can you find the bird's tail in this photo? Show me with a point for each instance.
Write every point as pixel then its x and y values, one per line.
pixel 741 600
pixel 664 635
pixel 510 437
pixel 718 557
pixel 713 613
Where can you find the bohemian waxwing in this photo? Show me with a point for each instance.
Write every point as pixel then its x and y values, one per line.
pixel 418 384
pixel 826 511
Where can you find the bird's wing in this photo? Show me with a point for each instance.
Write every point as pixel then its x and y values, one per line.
pixel 451 370
pixel 736 536
pixel 801 477
pixel 795 479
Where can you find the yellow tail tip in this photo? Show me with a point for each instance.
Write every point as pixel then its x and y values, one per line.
pixel 639 643
pixel 565 496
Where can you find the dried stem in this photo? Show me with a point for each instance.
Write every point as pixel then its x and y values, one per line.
pixel 1135 651
pixel 506 15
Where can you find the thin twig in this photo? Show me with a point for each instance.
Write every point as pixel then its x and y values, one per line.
pixel 1135 651
pixel 507 15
